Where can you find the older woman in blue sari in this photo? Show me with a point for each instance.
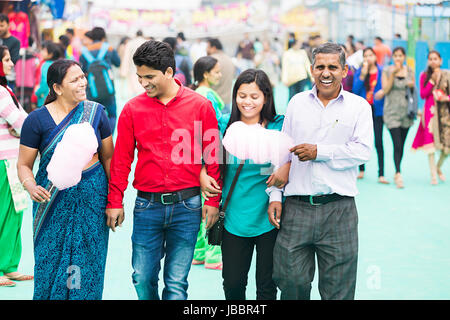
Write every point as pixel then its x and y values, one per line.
pixel 70 232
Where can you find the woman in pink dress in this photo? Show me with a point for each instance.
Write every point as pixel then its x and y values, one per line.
pixel 424 138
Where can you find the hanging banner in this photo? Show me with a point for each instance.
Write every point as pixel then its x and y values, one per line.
pixel 234 17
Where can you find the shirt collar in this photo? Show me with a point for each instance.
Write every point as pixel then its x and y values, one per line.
pixel 178 95
pixel 313 93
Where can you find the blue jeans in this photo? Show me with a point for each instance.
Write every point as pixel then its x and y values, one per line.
pixel 159 230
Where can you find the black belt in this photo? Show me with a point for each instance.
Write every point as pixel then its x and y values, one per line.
pixel 170 197
pixel 318 200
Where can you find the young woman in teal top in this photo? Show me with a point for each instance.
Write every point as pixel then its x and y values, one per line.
pixel 206 73
pixel 50 53
pixel 246 222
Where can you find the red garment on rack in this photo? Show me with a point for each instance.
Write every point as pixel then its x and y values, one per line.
pixel 19 26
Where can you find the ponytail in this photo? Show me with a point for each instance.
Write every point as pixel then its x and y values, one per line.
pixel 194 85
pixel 51 96
pixel 202 65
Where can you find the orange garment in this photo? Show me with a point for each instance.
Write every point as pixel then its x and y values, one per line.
pixel 381 51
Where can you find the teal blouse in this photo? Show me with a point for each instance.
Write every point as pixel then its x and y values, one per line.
pixel 217 104
pixel 43 90
pixel 246 214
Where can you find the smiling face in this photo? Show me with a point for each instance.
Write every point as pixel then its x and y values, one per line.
pixel 328 74
pixel 154 81
pixel 250 101
pixel 73 86
pixel 214 75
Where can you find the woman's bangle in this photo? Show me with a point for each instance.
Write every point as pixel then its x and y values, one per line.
pixel 25 180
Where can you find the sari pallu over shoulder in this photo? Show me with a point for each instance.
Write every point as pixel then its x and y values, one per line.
pixel 85 112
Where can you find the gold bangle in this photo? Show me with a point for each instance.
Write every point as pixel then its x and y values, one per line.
pixel 25 180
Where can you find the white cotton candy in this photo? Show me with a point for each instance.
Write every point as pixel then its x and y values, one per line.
pixel 257 143
pixel 72 154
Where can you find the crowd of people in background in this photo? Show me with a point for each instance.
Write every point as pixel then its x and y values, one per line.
pixel 379 75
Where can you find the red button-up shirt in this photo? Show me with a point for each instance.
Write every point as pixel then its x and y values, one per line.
pixel 172 140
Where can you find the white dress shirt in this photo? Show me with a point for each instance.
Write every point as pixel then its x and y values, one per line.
pixel 343 133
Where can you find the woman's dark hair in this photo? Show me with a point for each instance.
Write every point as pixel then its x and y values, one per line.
pixel 64 40
pixel 268 111
pixel 55 49
pixel 367 78
pixel 261 79
pixel 3 50
pixel 56 74
pixel 202 65
pixel 3 81
pixel 401 49
pixel 171 41
pixel 429 70
pixel 155 54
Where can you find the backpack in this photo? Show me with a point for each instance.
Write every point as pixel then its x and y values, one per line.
pixel 100 83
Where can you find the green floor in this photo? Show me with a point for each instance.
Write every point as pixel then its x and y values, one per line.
pixel 403 239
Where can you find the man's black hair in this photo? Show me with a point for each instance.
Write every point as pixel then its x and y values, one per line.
pixel 215 43
pixel 155 54
pixel 98 34
pixel 4 17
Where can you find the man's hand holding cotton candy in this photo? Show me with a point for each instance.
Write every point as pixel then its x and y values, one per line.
pixel 72 154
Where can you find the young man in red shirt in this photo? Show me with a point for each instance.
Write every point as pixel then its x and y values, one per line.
pixel 174 130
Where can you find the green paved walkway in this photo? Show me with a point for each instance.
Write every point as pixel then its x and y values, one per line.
pixel 403 239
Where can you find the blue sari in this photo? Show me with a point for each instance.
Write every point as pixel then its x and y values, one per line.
pixel 70 232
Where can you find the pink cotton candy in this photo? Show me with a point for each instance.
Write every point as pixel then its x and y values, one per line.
pixel 257 143
pixel 72 154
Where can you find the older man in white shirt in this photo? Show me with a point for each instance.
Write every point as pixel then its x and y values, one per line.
pixel 333 130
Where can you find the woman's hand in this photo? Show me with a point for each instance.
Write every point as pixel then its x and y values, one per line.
pixel 280 177
pixel 440 96
pixel 274 212
pixel 436 75
pixel 364 67
pixel 208 185
pixel 379 95
pixel 12 131
pixel 37 192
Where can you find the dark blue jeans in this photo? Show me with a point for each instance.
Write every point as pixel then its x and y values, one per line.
pixel 164 230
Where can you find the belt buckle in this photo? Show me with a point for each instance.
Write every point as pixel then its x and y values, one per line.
pixel 312 202
pixel 162 198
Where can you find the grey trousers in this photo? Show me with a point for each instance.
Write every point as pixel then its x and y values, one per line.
pixel 329 231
